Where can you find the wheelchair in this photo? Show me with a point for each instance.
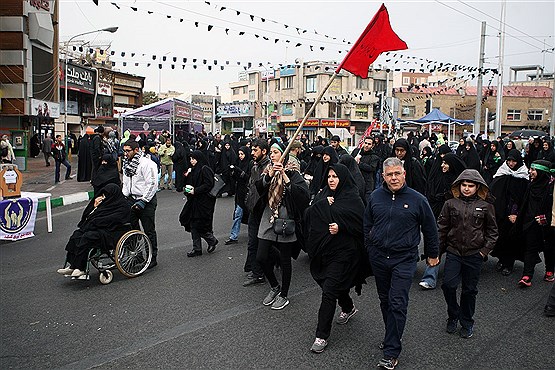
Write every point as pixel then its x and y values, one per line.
pixel 131 256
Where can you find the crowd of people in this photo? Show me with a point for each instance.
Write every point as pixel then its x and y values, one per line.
pixel 355 214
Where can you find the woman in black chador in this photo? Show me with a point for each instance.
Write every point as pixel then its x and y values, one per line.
pixel 102 217
pixel 198 213
pixel 508 187
pixel 329 157
pixel 180 164
pixel 334 242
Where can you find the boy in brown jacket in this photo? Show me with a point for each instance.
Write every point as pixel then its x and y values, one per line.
pixel 467 232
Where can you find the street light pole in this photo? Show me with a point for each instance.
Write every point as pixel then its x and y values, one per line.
pixel 109 29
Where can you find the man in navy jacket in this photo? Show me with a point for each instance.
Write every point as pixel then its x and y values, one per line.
pixel 393 220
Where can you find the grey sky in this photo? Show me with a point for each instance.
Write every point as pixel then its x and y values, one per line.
pixel 443 31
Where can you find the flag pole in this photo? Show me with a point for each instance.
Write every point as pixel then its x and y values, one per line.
pixel 308 114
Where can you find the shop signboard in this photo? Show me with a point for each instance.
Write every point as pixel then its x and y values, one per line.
pixel 333 123
pixel 104 88
pixel 236 110
pixel 41 108
pixel 287 71
pixel 182 111
pixel 78 78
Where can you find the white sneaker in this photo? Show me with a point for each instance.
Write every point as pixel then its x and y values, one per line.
pixel 65 271
pixel 424 285
pixel 77 273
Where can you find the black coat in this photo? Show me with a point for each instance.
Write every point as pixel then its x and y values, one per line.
pixel 341 258
pixel 198 211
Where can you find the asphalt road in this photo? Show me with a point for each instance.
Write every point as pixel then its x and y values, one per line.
pixel 194 312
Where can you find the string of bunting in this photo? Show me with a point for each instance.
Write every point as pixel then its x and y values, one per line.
pixel 227 30
pixel 300 30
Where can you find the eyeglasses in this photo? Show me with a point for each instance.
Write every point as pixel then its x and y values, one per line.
pixel 127 150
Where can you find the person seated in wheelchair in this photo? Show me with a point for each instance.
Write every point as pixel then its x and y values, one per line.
pixel 103 217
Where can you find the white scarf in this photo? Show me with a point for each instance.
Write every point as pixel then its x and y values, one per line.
pixel 505 170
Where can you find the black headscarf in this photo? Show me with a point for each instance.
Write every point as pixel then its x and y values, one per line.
pixel 319 180
pixel 415 177
pixel 472 158
pixel 537 198
pixel 440 184
pixel 349 162
pixel 243 164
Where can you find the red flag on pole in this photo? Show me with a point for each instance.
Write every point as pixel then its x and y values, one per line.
pixel 376 38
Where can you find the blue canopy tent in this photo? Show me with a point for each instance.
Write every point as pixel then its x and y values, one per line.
pixel 438 117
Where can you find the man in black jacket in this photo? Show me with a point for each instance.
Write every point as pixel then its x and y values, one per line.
pixel 368 163
pixel 255 206
pixel 335 144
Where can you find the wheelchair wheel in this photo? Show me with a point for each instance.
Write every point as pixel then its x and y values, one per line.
pixel 106 277
pixel 133 253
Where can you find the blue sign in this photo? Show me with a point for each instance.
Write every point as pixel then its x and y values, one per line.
pixel 287 71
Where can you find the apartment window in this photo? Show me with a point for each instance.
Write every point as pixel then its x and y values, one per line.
pixel 236 91
pixel 307 107
pixel 277 85
pixel 535 114
pixel 251 95
pixel 288 82
pixel 416 80
pixel 311 84
pixel 406 80
pixel 408 111
pixel 362 83
pixel 252 79
pixel 244 89
pixel 287 109
pixel 513 115
pixel 361 111
pixel 380 85
pixel 332 111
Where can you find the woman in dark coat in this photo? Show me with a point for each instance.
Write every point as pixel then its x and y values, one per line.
pixel 84 161
pixel 103 216
pixel 180 164
pixel 493 159
pixel 508 187
pixel 471 157
pixel 228 157
pixel 427 159
pixel 334 242
pixel 35 146
pixel 285 196
pixel 107 172
pixel 534 222
pixel 547 152
pixel 241 174
pixel 198 212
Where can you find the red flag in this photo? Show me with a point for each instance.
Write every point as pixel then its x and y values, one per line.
pixel 376 38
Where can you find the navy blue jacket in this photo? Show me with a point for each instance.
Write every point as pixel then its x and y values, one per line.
pixel 392 223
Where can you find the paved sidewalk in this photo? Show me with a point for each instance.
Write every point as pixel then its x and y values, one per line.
pixel 40 179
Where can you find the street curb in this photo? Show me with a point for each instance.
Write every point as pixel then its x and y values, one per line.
pixel 66 200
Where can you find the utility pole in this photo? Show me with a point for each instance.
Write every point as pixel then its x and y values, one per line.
pixel 478 114
pixel 499 104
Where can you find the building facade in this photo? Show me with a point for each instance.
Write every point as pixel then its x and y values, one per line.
pixel 29 100
pixel 282 96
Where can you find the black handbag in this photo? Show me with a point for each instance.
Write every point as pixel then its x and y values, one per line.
pixel 218 185
pixel 284 226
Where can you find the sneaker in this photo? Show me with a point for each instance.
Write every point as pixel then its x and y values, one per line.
pixel 525 282
pixel 271 297
pixel 466 332
pixel 425 285
pixel 549 277
pixel 231 241
pixel 280 303
pixel 549 311
pixel 254 280
pixel 65 271
pixel 451 326
pixel 388 363
pixel 319 345
pixel 77 273
pixel 344 317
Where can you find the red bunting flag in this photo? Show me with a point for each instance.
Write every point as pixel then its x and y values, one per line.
pixel 376 38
